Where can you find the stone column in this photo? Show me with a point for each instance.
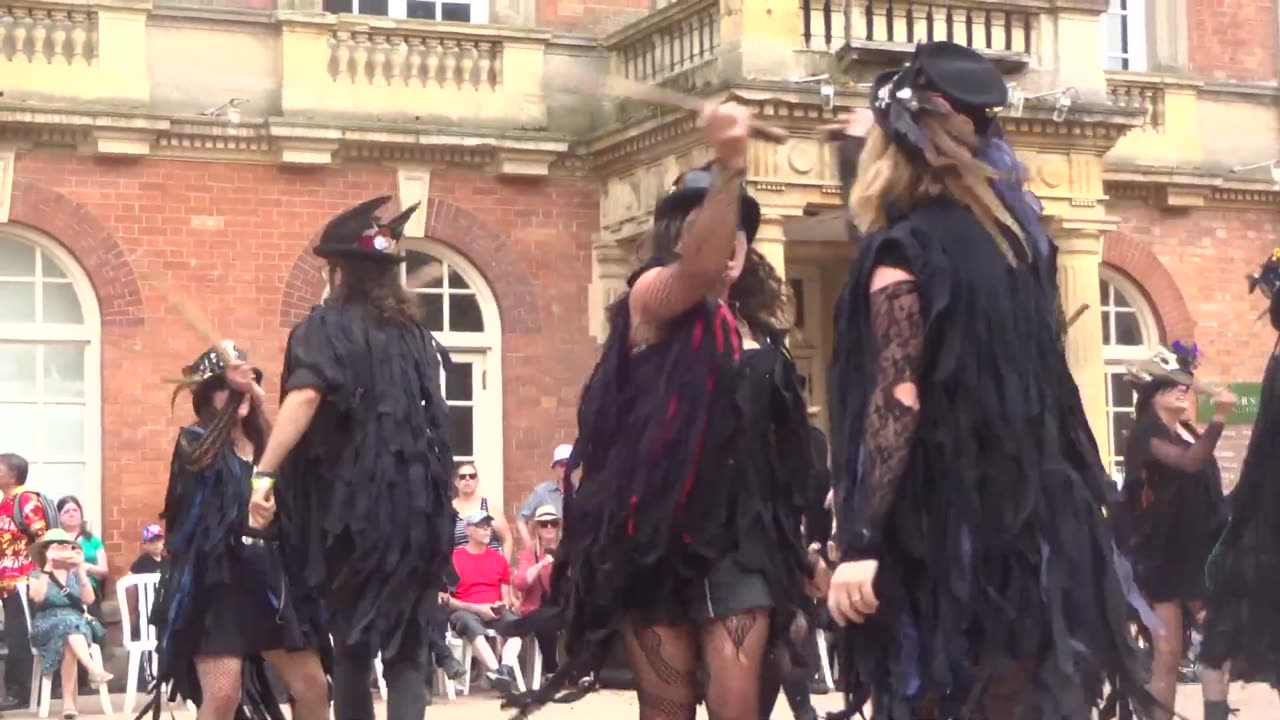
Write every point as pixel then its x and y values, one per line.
pixel 1079 253
pixel 771 243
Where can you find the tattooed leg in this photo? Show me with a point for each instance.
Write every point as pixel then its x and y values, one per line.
pixel 734 650
pixel 664 661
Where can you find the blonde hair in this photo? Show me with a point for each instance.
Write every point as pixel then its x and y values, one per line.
pixel 887 177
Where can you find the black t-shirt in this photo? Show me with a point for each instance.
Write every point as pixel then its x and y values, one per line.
pixel 145 564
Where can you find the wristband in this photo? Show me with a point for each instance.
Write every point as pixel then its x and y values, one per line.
pixel 263 480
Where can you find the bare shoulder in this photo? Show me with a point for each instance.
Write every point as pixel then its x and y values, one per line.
pixel 886 275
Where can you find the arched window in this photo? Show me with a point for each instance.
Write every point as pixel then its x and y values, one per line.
pixel 459 309
pixel 50 358
pixel 1129 333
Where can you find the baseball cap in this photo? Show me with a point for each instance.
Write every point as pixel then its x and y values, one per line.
pixel 546 512
pixel 561 453
pixel 477 517
pixel 152 532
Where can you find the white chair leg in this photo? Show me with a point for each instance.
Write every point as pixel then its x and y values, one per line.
pixel 131 691
pixel 467 652
pixel 824 660
pixel 382 682
pixel 35 683
pixel 535 674
pixel 95 654
pixel 46 696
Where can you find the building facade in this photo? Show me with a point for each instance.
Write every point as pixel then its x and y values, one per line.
pixel 157 152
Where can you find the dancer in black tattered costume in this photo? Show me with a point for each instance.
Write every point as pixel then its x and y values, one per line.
pixel 1173 514
pixel 223 602
pixel 365 468
pixel 682 538
pixel 1242 626
pixel 979 577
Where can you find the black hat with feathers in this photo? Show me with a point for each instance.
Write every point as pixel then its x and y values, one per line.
pixel 358 234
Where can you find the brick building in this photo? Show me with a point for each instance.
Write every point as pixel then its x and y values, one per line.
pixel 133 170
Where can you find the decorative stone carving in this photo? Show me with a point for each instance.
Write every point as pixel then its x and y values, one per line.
pixel 627 200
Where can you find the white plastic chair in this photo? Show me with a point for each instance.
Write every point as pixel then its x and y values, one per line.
pixel 41 684
pixel 462 652
pixel 533 658
pixel 824 659
pixel 144 647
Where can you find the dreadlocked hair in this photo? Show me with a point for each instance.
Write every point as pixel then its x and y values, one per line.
pixel 759 296
pixel 888 178
pixel 376 284
pixel 219 423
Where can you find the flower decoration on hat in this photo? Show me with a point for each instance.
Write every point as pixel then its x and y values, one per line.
pixel 377 238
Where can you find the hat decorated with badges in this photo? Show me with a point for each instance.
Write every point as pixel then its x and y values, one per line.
pixel 1166 368
pixel 690 189
pixel 1267 278
pixel 358 234
pixel 211 364
pixel 939 71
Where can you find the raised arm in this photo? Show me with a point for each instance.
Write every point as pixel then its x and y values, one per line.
pixel 710 232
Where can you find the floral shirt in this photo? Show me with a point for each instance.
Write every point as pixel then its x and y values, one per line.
pixel 15 563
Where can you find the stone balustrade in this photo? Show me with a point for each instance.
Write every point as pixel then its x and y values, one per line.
pixel 1136 92
pixel 418 60
pixel 999 27
pixel 669 45
pixel 49 36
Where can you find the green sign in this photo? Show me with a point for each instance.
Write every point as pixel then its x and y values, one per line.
pixel 1244 413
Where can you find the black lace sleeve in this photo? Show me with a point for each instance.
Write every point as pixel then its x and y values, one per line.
pixel 892 413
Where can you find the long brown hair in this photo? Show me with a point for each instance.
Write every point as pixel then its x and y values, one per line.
pixel 758 295
pixel 218 424
pixel 887 177
pixel 376 284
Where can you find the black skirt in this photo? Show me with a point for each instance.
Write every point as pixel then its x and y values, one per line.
pixel 250 613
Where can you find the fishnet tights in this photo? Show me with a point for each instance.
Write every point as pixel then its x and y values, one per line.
pixel 664 660
pixel 221 685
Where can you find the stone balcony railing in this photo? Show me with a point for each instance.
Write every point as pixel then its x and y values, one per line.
pixel 1142 93
pixel 412 70
pixel 1003 29
pixel 97 49
pixel 670 46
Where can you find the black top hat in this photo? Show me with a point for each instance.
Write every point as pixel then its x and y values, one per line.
pixel 1267 279
pixel 690 189
pixel 966 80
pixel 211 365
pixel 357 233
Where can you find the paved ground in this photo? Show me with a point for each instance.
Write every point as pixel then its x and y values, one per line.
pixel 1255 702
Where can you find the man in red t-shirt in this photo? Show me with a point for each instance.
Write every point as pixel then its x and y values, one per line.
pixel 15 565
pixel 482 600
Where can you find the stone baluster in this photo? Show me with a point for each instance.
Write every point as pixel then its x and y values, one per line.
pixel 343 56
pixel 22 25
pixel 434 52
pixel 448 75
pixel 79 34
pixel 58 38
pixel 415 63
pixel 6 27
pixel 399 56
pixel 497 67
pixel 360 57
pixel 91 42
pixel 379 60
pixel 39 31
pixel 466 66
pixel 484 79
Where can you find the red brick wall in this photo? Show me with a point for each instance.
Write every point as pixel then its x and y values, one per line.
pixel 590 15
pixel 1206 254
pixel 1233 39
pixel 229 235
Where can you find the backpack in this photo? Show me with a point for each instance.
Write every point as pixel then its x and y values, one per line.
pixel 50 512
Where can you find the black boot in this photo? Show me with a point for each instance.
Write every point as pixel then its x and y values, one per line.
pixel 1216 710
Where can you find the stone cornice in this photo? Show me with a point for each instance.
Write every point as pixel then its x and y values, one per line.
pixel 1190 188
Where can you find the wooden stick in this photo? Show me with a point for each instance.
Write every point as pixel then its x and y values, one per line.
pixel 620 87
pixel 1079 313
pixel 195 320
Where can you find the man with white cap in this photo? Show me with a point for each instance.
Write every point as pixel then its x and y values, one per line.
pixel 550 493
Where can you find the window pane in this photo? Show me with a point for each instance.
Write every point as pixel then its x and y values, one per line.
pixel 63 432
pixel 422 10
pixel 1128 331
pixel 1104 292
pixel 457 382
pixel 415 262
pixel 456 281
pixel 1117 28
pixel 1116 63
pixel 59 480
pixel 18 426
pixel 797 295
pixel 1121 424
pixel 61 304
pixel 17 301
pixel 462 430
pixel 1121 300
pixel 17 259
pixel 64 371
pixel 337 6
pixel 1106 327
pixel 49 268
pixel 464 314
pixel 1121 390
pixel 17 372
pixel 373 7
pixel 432 306
pixel 455 12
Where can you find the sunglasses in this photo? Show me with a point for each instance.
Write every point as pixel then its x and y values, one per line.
pixel 549 523
pixel 468 476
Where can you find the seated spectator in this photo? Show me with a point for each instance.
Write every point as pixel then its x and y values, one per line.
pixel 467 500
pixel 550 493
pixel 533 581
pixel 61 628
pixel 482 599
pixel 152 556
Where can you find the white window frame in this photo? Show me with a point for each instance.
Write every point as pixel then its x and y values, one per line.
pixel 90 333
pixel 486 349
pixel 1135 36
pixel 399 10
pixel 1116 357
